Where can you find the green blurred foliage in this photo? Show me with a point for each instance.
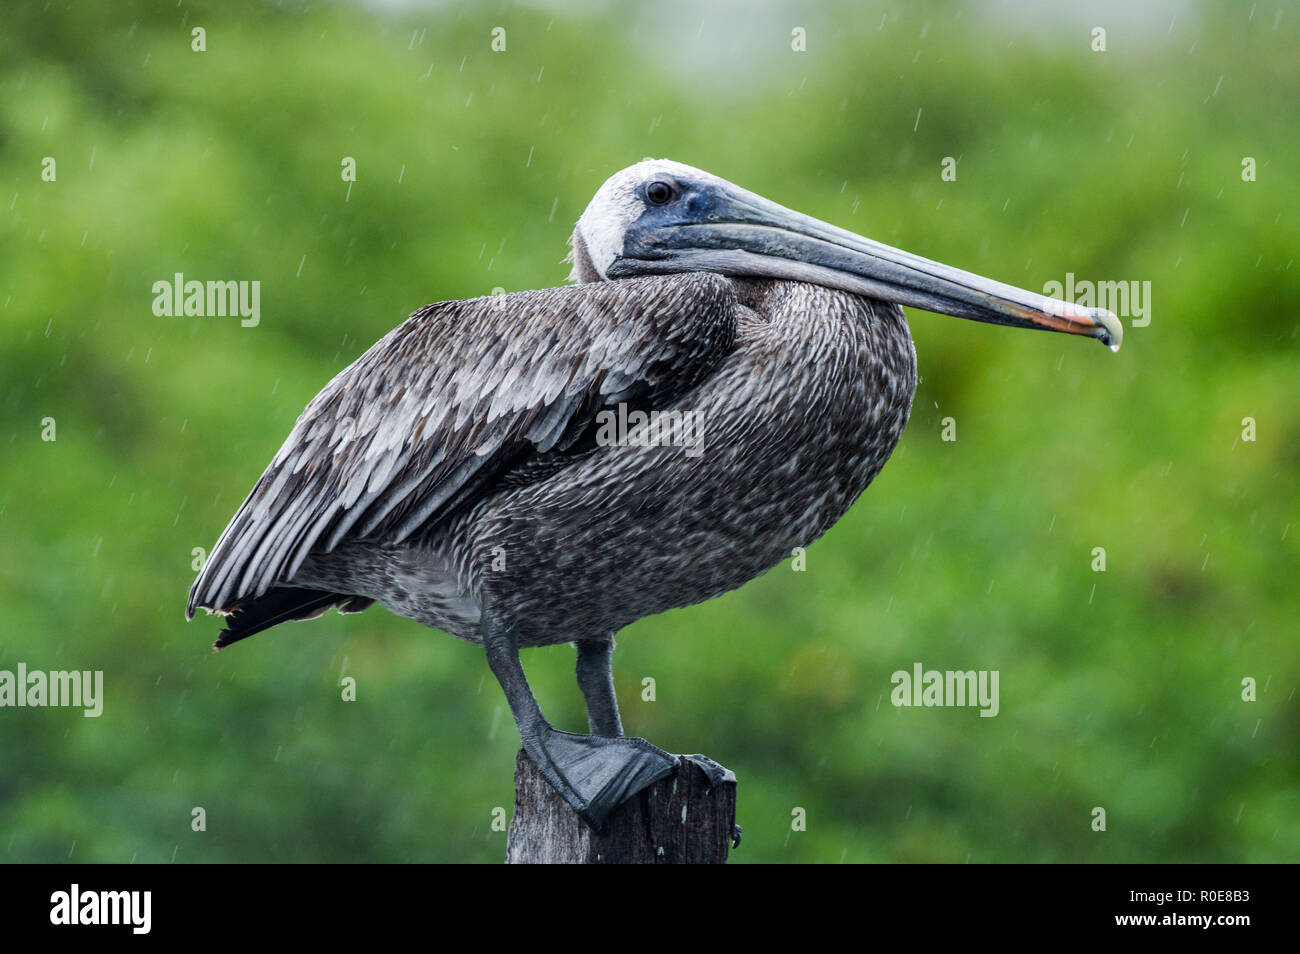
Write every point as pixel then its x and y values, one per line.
pixel 1119 689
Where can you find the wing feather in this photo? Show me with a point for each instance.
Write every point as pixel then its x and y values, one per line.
pixel 451 400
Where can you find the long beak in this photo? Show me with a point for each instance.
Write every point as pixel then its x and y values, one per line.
pixel 740 233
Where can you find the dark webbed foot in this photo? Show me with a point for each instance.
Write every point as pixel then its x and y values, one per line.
pixel 596 774
pixel 593 773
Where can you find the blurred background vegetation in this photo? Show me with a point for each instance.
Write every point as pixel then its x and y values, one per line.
pixel 1120 689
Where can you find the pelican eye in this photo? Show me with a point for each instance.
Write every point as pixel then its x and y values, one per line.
pixel 659 192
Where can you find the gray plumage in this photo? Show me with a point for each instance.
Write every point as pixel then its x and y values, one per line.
pixel 427 457
pixel 456 472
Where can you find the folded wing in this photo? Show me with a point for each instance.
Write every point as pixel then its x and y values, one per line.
pixel 454 399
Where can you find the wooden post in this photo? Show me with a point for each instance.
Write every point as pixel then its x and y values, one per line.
pixel 674 821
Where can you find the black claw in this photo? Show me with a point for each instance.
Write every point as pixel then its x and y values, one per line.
pixel 735 836
pixel 717 774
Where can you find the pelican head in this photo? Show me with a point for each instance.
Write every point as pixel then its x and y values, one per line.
pixel 658 217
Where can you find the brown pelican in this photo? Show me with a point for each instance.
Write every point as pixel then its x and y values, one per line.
pixel 463 471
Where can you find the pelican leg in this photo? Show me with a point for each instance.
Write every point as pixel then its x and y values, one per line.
pixel 594 774
pixel 596 680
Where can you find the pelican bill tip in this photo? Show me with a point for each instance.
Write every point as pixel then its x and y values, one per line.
pixel 1110 330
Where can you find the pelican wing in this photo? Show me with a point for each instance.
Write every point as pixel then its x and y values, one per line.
pixel 449 401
